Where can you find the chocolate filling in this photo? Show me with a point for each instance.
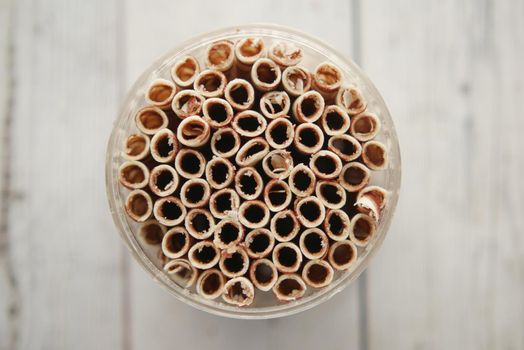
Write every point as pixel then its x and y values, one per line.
pixel 263 273
pixel 287 256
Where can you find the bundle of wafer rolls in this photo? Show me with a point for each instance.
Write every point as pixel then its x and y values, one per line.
pixel 252 173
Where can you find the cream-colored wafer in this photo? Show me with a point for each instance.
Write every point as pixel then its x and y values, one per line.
pixel 133 174
pixel 289 287
pixel 284 225
pixel 310 211
pixel 169 211
pixel 176 242
pixel 185 71
pixel 139 205
pixel 150 120
pixel 317 273
pixel 163 180
pixel 342 255
pixel 248 183
pixel 164 146
pixel 136 147
pixel 287 257
pixel 253 214
pixel 280 133
pixel 160 93
pixel 259 243
pixel 263 274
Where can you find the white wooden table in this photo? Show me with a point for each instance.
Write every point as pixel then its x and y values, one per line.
pixel 450 275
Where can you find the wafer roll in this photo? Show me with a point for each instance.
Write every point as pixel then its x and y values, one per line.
pixel 184 273
pixel 210 284
pixel 139 205
pixel 224 203
pixel 136 147
pixel 325 165
pixel 252 152
pixel 314 243
pixel 150 120
pixel 248 183
pixel 342 255
pixel 210 83
pixel 151 232
pixel 337 225
pixel 287 257
pixel 277 195
pixel 234 262
pixel 187 103
pixel 133 174
pixel 284 225
pixel 185 71
pixel 220 173
pixel 164 146
pixel 203 255
pixel 365 126
pixel 176 242
pixel 310 211
pixel 190 163
pixel 253 214
pixel 362 230
pixel 285 53
pixel 317 273
pixel 351 100
pixel 199 223
pixel 225 142
pixel 331 194
pixel 371 200
pixel 217 112
pixel 228 233
pixel 163 180
pixel 259 243
pixel 263 274
pixel 249 124
pixel 375 155
pixel 160 93
pixel 220 56
pixel 278 164
pixel 302 181
pixel 240 94
pixel 346 147
pixel 308 107
pixel 296 80
pixel 309 138
pixel 247 51
pixel 280 133
pixel 354 176
pixel 169 211
pixel 327 79
pixel 275 104
pixel 335 120
pixel 193 131
pixel 265 74
pixel 289 287
pixel 239 291
pixel 195 193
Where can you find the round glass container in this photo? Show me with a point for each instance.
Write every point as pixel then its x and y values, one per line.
pixel 314 52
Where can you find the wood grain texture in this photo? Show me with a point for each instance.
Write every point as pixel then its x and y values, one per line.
pixel 65 255
pixel 7 290
pixel 451 273
pixel 159 319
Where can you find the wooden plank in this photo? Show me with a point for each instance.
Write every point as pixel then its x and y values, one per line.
pixel 158 320
pixel 451 273
pixel 6 287
pixel 65 254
